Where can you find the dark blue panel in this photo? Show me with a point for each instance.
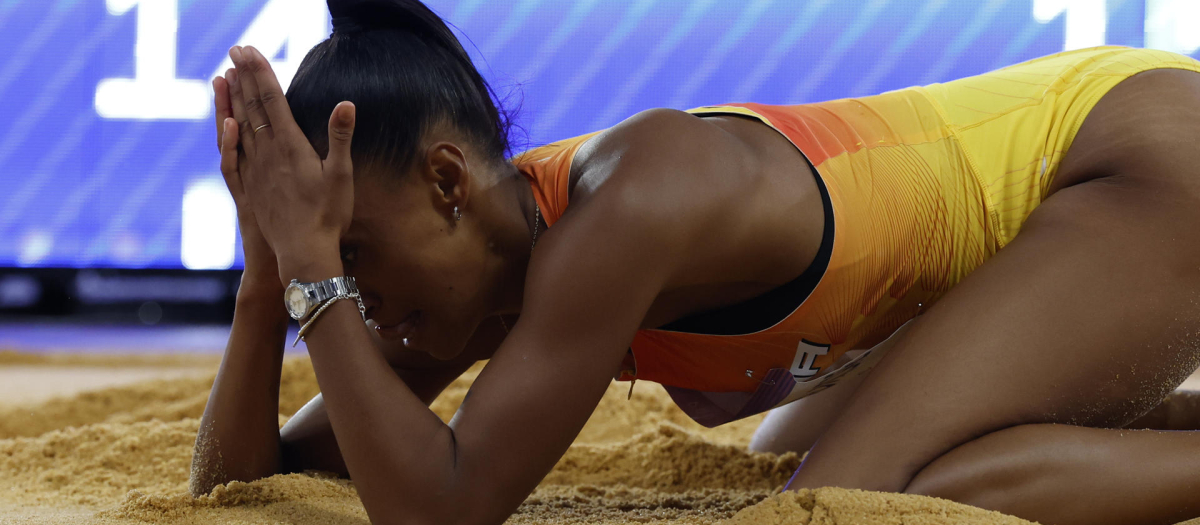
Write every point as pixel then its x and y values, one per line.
pixel 78 189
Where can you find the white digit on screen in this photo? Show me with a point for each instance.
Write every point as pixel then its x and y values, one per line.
pixel 1085 24
pixel 297 24
pixel 1171 25
pixel 209 222
pixel 153 92
pixel 156 94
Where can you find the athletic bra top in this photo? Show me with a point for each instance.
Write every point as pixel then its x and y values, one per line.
pixel 923 185
pixel 891 177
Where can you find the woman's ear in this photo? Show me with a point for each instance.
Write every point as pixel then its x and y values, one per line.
pixel 447 171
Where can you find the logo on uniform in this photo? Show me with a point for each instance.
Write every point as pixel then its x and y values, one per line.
pixel 806 356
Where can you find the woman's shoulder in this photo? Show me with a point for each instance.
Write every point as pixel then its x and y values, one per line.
pixel 655 151
pixel 647 152
pixel 661 178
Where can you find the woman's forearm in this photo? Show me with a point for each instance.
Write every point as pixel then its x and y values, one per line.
pixel 391 442
pixel 239 431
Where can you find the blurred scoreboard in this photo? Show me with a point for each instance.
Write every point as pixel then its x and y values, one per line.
pixel 107 144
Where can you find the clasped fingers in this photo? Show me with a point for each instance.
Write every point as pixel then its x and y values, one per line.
pixel 264 101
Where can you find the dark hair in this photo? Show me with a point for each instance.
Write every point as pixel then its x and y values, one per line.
pixel 405 72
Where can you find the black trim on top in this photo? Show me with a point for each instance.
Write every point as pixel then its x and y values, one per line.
pixel 766 310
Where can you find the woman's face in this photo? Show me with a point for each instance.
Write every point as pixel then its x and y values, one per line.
pixel 423 275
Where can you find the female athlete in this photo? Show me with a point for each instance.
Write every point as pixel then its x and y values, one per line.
pixel 992 278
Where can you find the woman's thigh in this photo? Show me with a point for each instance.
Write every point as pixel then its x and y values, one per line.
pixel 796 426
pixel 1089 317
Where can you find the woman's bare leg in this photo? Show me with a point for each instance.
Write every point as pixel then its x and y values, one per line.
pixel 796 426
pixel 1063 474
pixel 1090 317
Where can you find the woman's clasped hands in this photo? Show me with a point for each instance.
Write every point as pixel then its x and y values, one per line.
pixel 300 204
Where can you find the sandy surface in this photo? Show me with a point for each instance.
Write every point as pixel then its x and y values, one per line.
pixel 120 455
pixel 29 384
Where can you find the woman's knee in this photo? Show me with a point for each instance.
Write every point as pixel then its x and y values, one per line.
pixel 979 471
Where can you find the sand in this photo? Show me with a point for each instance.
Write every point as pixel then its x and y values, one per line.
pixel 121 455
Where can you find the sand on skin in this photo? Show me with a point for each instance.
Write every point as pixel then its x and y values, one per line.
pixel 121 456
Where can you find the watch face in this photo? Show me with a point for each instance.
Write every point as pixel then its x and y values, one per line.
pixel 297 303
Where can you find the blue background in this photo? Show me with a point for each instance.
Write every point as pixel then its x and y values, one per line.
pixel 108 192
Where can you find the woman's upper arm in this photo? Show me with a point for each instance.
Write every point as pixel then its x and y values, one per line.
pixel 590 282
pixel 587 291
pixel 307 441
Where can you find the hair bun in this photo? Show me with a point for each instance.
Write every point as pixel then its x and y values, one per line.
pixel 351 16
pixel 346 24
pixel 351 8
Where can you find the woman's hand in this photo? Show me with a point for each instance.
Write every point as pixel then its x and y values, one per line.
pixel 302 204
pixel 261 266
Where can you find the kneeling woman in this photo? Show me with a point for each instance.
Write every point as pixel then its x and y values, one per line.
pixel 1040 221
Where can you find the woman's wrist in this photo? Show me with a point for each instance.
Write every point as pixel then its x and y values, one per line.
pixel 311 262
pixel 260 283
pixel 262 301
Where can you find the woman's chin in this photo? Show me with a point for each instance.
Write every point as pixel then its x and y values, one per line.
pixel 419 338
pixel 440 345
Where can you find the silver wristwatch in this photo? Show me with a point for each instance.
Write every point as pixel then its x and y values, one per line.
pixel 302 298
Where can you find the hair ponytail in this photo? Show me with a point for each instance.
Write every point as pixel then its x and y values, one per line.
pixel 405 71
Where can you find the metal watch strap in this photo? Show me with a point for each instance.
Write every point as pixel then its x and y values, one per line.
pixel 321 291
pixel 332 287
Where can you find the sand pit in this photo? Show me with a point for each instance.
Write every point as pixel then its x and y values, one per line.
pixel 121 456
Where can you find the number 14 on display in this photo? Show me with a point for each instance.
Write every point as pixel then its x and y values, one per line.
pixel 155 93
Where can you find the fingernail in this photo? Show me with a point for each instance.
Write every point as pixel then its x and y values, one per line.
pixel 236 54
pixel 233 77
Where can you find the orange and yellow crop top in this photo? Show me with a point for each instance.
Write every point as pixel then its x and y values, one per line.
pixel 923 185
pixel 895 183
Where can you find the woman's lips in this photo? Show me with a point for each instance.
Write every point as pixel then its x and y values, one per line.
pixel 401 330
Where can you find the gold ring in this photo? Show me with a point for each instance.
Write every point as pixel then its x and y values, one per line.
pixel 256 130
